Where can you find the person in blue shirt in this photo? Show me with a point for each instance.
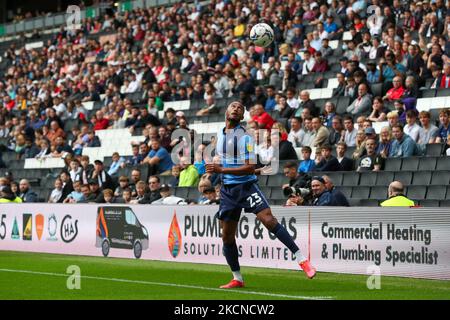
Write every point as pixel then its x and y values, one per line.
pixel 240 190
pixel 117 162
pixel 158 158
pixel 270 102
pixel 403 145
pixel 307 164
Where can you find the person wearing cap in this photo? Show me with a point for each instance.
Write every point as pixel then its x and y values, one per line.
pixel 103 178
pixel 7 196
pixel 321 195
pixel 397 198
pixel 167 198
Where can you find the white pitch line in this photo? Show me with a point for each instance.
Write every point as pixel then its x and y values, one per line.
pixel 171 285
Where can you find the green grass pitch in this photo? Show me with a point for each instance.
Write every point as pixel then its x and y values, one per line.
pixel 43 276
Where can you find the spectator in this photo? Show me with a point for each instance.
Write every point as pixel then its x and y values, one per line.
pixel 100 123
pixel 307 164
pixel 189 175
pixel 55 132
pixel 349 136
pixel 360 143
pixel 444 127
pixel 338 196
pixel 135 159
pixel 108 196
pixel 396 195
pixel 306 103
pixel 175 176
pixel 321 196
pixel 402 146
pixel 7 196
pixel 336 130
pixel 142 197
pixel 261 117
pixel 76 195
pixel 329 113
pixel 346 163
pixel 123 184
pixel 428 132
pixel 26 194
pixel 295 199
pixel 168 199
pixel 56 193
pixel 296 134
pixel 397 91
pixel 285 111
pixel 117 162
pixel 362 104
pixel 327 162
pixel 371 161
pixel 393 118
pixel 159 159
pixel 135 178
pixel 210 195
pixel 321 133
pixel 126 196
pixel 154 185
pixel 297 179
pixel 411 128
pixel 339 91
pixel 270 101
pixel 103 178
pixel 210 107
pixel 385 144
pixel 379 112
pixel 282 148
pixel 75 170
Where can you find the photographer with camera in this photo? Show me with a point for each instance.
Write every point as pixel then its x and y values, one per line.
pixel 298 189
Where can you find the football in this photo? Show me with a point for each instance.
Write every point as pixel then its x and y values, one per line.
pixel 261 35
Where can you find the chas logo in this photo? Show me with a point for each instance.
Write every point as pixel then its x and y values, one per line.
pixel 69 229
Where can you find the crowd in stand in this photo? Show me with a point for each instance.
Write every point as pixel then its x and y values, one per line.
pixel 202 52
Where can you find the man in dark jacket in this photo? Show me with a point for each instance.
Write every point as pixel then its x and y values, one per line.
pixel 283 150
pixel 103 178
pixel 339 197
pixel 26 194
pixel 67 185
pixel 321 196
pixel 327 162
pixel 154 185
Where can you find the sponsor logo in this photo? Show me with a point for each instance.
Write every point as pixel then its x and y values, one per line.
pixel 52 227
pixel 174 237
pixel 27 227
pixel 15 235
pixel 39 220
pixel 69 229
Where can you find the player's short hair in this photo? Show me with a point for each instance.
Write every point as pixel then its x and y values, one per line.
pixel 306 149
pixel 398 126
pixel 411 114
pixel 425 114
pixel 141 184
pixel 342 144
pixel 348 117
pixel 108 192
pixel 444 111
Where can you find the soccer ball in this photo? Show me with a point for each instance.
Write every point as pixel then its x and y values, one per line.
pixel 261 35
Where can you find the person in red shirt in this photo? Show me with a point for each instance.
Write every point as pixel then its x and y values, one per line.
pixel 261 117
pixel 100 123
pixel 396 92
pixel 444 80
pixel 8 103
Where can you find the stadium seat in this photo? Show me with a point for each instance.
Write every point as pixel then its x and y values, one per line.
pixel 416 192
pixel 193 194
pixel 421 178
pixel 347 191
pixel 379 193
pixel 410 164
pixel 393 164
pixel 360 192
pixel 443 163
pixel 427 163
pixel 276 180
pixel 369 202
pixel 434 149
pixel 350 178
pixel 443 92
pixel 436 192
pixel 429 93
pixel 342 104
pixel 336 177
pixel 368 178
pixel 444 203
pixel 349 152
pixel 404 177
pixel 429 203
pixel 353 202
pixel 377 89
pixel 181 192
pixel 384 178
pixel 277 193
pixel 440 178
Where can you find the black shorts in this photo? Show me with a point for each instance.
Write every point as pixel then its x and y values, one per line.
pixel 235 197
